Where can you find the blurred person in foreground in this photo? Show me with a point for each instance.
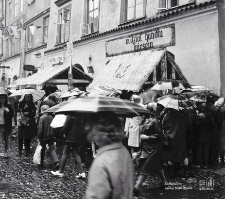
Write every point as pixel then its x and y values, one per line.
pixel 46 136
pixel 111 175
pixel 151 151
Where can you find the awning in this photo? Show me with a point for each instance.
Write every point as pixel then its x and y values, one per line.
pixel 50 73
pixel 129 71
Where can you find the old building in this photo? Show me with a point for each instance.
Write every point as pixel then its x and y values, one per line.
pixel 191 31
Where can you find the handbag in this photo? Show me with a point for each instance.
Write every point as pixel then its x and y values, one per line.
pixel 37 155
pixel 24 121
pixel 166 139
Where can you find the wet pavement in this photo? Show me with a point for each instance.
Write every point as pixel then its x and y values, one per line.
pixel 20 178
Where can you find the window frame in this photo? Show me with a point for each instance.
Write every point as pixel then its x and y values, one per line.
pixel 62 27
pixel 135 5
pixel 168 5
pixel 30 38
pixel 88 16
pixel 45 29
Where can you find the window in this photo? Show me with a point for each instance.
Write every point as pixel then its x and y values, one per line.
pixel 30 39
pixel 135 9
pixel 93 15
pixel 64 25
pixel 45 29
pixel 166 4
pixel 10 10
pixel 21 5
pixel 16 7
pixel 9 81
pixel 1 8
pixel 6 48
pixel 18 41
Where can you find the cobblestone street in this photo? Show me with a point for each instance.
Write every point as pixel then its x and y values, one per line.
pixel 22 179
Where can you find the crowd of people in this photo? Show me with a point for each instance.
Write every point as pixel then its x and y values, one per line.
pixel 193 136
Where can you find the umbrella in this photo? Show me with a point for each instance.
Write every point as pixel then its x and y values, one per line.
pixel 73 92
pixel 4 91
pixel 103 91
pixel 100 104
pixel 171 101
pixel 148 94
pixel 202 96
pixel 37 94
pixel 169 84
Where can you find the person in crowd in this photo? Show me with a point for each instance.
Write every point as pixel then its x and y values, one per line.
pixel 221 126
pixel 175 125
pixel 132 129
pixel 73 129
pixel 46 136
pixel 151 151
pixel 6 115
pixel 50 102
pixel 26 124
pixel 205 130
pixel 111 174
pixel 210 102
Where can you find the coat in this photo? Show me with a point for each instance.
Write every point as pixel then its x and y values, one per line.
pixel 8 117
pixel 175 124
pixel 45 131
pixel 132 127
pixel 27 132
pixel 221 119
pixel 152 149
pixel 111 175
pixel 73 128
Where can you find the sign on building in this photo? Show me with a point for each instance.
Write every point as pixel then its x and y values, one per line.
pixel 70 48
pixel 149 39
pixel 56 59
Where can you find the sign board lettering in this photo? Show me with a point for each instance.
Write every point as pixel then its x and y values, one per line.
pixel 56 59
pixel 70 48
pixel 149 39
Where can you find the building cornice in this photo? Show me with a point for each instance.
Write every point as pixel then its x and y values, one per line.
pixel 36 49
pixel 167 17
pixel 37 16
pixel 12 57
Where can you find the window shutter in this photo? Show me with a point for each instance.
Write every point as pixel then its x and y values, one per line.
pixel 58 38
pixel 162 4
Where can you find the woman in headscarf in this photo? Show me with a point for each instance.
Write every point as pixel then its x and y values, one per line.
pixel 151 151
pixel 111 174
pixel 26 124
pixel 6 115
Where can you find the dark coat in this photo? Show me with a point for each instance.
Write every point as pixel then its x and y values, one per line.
pixel 221 119
pixel 205 129
pixel 27 132
pixel 8 117
pixel 45 131
pixel 152 149
pixel 175 124
pixel 73 128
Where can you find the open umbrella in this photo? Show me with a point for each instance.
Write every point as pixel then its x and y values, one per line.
pixel 169 84
pixel 4 91
pixel 202 96
pixel 171 101
pixel 37 94
pixel 73 92
pixel 100 104
pixel 148 94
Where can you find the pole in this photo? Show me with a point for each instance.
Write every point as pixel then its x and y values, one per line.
pixel 70 75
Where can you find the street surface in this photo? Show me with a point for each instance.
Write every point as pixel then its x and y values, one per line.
pixel 22 179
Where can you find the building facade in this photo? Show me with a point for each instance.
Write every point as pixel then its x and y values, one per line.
pixel 102 29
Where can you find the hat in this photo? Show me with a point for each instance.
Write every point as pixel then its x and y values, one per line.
pixel 44 108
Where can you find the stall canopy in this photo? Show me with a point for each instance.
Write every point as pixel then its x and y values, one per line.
pixel 131 71
pixel 55 75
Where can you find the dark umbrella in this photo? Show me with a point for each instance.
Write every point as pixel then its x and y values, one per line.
pixel 202 96
pixel 100 104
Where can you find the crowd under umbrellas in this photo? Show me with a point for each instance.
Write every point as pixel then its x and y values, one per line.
pixel 149 132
